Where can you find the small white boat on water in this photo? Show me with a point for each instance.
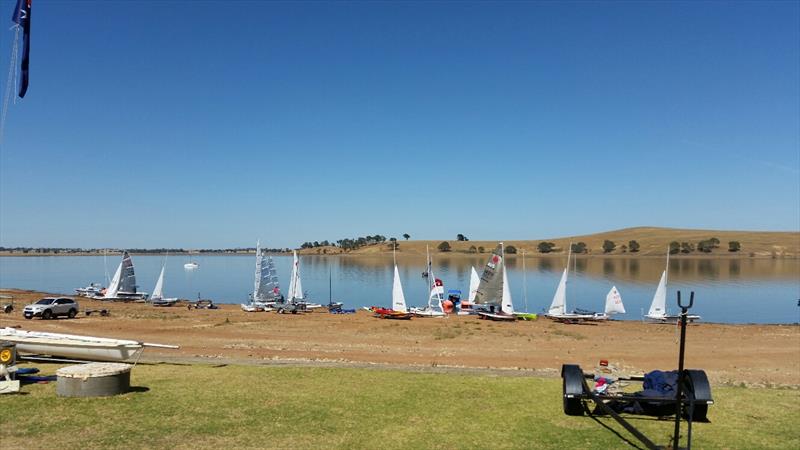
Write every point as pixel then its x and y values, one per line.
pixel 191 265
pixel 72 346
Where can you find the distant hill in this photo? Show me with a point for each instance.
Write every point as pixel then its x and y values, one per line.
pixel 653 241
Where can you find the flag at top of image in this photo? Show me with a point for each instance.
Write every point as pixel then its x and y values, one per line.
pixel 22 19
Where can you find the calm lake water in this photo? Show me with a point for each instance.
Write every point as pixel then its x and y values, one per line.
pixel 733 291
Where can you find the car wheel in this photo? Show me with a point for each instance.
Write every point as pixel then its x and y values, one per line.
pixel 72 313
pixel 47 314
pixel 28 317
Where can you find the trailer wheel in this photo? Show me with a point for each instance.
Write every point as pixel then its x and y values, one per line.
pixel 572 377
pixel 700 390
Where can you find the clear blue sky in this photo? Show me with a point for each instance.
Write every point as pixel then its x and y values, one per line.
pixel 210 124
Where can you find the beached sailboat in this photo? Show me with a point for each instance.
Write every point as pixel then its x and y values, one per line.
pixel 466 308
pixel 296 296
pixel 398 309
pixel 558 307
pixel 265 285
pixel 493 291
pixel 658 307
pixel 435 295
pixel 74 346
pixel 123 284
pixel 158 295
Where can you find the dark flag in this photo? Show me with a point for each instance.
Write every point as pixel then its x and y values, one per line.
pixel 22 17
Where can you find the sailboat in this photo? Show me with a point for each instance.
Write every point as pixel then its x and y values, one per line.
pixel 658 307
pixel 435 295
pixel 265 286
pixel 123 284
pixel 558 307
pixel 296 296
pixel 493 291
pixel 398 309
pixel 525 315
pixel 191 265
pixel 467 308
pixel 158 295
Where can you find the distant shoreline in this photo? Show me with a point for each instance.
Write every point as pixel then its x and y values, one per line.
pixel 644 242
pixel 435 254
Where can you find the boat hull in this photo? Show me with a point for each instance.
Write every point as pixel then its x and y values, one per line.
pixel 497 317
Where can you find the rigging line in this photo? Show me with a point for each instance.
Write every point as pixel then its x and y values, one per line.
pixel 10 81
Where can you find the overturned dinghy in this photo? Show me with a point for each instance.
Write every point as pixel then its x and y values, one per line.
pixel 73 346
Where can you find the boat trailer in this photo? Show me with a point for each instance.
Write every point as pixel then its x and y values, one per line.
pixel 692 388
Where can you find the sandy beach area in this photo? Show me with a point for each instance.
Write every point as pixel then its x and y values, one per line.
pixel 753 355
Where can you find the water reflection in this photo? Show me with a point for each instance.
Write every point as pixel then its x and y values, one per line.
pixel 726 288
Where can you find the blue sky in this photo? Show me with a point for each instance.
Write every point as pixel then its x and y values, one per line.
pixel 211 124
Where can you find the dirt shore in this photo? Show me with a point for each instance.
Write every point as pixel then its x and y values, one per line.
pixel 757 355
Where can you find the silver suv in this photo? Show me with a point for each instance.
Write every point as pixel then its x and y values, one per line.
pixel 51 307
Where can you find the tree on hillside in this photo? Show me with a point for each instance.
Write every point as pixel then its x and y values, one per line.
pixel 734 246
pixel 444 246
pixel 715 242
pixel 633 246
pixel 481 249
pixel 461 237
pixel 674 247
pixel 686 247
pixel 393 245
pixel 406 236
pixel 545 247
pixel 472 249
pixel 511 250
pixel 705 246
pixel 579 248
pixel 608 246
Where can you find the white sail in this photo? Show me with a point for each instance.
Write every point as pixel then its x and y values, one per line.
pixel 295 285
pixel 259 268
pixel 614 302
pixel 158 290
pixel 474 281
pixel 113 287
pixel 507 305
pixel 398 298
pixel 658 308
pixel 559 304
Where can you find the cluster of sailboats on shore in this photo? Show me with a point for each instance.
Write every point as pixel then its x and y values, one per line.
pixel 489 294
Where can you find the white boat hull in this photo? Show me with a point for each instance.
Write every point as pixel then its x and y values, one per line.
pixel 72 346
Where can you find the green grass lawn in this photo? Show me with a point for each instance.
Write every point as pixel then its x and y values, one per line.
pixel 244 406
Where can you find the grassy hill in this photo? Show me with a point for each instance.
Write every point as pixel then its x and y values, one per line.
pixel 653 241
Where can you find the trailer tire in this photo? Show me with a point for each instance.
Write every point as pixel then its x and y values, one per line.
pixel 700 390
pixel 572 377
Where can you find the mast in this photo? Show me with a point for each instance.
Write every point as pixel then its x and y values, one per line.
pixel 524 282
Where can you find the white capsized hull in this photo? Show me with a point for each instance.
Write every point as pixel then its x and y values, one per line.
pixel 72 346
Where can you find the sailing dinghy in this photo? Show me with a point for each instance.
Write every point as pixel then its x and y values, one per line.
pixel 658 307
pixel 493 291
pixel 435 295
pixel 398 311
pixel 158 291
pixel 74 346
pixel 265 288
pixel 123 284
pixel 558 307
pixel 296 297
pixel 467 308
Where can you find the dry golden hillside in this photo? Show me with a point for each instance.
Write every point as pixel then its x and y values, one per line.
pixel 653 241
